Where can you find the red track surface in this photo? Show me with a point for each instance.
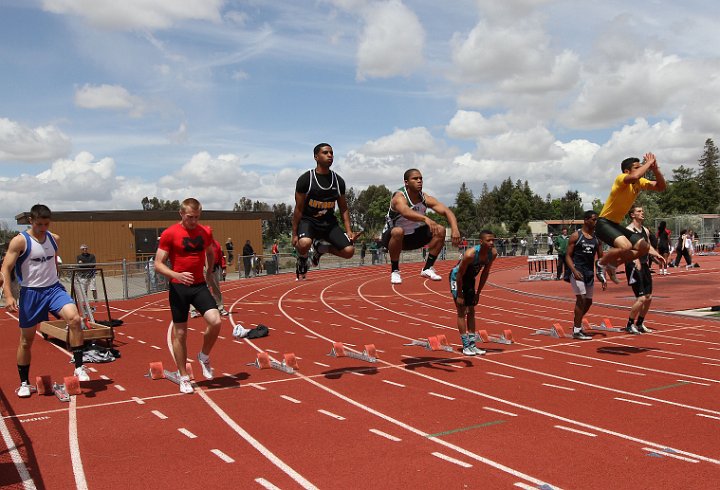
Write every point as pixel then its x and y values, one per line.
pixel 616 412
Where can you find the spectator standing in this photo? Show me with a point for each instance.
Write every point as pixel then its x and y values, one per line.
pixel 86 279
pixel 229 247
pixel 248 253
pixel 276 255
pixel 561 243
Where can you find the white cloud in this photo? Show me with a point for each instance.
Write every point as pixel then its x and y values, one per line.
pixel 113 97
pixel 137 14
pixel 413 140
pixel 391 43
pixel 21 143
pixel 472 125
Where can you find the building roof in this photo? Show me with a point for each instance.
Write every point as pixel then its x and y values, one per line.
pixel 140 215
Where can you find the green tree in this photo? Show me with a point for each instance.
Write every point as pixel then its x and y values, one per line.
pixel 683 195
pixel 709 177
pixel 371 206
pixel 465 212
pixel 518 211
pixel 155 204
pixel 486 207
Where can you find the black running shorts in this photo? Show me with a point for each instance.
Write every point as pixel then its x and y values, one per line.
pixel 182 296
pixel 330 232
pixel 415 240
pixel 608 231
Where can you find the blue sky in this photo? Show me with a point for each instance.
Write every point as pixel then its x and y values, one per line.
pixel 105 102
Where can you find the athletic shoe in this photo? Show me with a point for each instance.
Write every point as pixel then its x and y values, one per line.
pixel 240 332
pixel 478 351
pixel 643 329
pixel 395 277
pixel 430 274
pixel 185 385
pixel 581 335
pixel 632 329
pixel 82 373
pixel 223 311
pixel 315 256
pixel 205 365
pixel 469 351
pixel 25 390
pixel 600 273
pixel 194 314
pixel 611 273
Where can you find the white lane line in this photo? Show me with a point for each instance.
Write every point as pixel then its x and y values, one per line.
pixel 289 332
pixel 452 460
pixel 385 435
pixel 357 373
pixel 694 382
pixel 578 364
pixel 133 338
pixel 187 433
pixel 119 388
pixel 532 357
pixel 440 396
pixel 525 486
pixel 497 410
pixel 102 376
pixel 559 387
pixel 630 372
pixel 661 357
pixel 710 364
pixel 393 383
pixel 159 414
pixel 222 455
pixel 321 364
pixel 257 386
pixel 266 484
pixel 290 399
pixel 707 416
pixel 670 455
pixel 633 401
pixel 229 375
pixel 141 341
pixel 330 414
pixel 75 458
pixel 139 401
pixel 273 351
pixel 667 343
pixel 16 457
pixel 155 347
pixel 570 429
pixel 501 375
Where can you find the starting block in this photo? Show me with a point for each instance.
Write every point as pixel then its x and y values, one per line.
pixel 158 372
pixel 606 325
pixel 70 386
pixel 369 353
pixel 434 343
pixel 288 365
pixel 556 332
pixel 504 338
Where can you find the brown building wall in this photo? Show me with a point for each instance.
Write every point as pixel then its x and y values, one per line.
pixel 132 238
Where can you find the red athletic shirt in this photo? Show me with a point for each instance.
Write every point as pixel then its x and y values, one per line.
pixel 186 249
pixel 219 257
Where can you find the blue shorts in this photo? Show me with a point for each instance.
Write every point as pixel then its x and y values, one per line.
pixel 36 303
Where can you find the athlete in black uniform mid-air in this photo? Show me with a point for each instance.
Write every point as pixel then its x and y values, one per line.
pixel 316 193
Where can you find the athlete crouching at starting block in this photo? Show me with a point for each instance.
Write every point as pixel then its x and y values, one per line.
pixel 462 286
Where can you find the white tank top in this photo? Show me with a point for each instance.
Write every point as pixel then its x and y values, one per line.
pixel 36 266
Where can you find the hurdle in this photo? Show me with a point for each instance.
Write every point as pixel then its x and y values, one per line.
pixel 541 267
pixel 556 332
pixel 506 337
pixel 288 365
pixel 434 343
pixel 369 353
